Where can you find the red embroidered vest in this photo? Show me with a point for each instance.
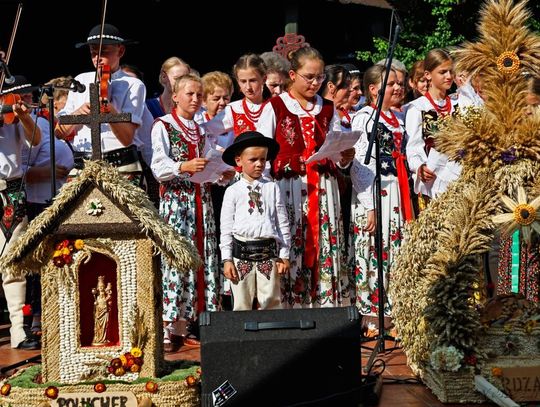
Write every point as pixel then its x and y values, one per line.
pixel 293 149
pixel 241 123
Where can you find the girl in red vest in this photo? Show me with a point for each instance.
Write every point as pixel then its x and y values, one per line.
pixel 242 115
pixel 299 120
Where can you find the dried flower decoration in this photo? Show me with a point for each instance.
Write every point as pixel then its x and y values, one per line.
pixel 51 392
pixel 471 360
pixel 95 207
pixel 190 381
pixel 508 62
pixel 509 156
pixel 63 251
pixel 151 386
pixel 496 371
pixel 522 215
pixel 126 363
pixel 100 387
pixel 446 358
pixel 5 389
pixel 529 326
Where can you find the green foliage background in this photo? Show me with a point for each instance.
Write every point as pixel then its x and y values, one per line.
pixel 429 24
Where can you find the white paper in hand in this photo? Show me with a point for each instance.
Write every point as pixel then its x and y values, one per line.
pixel 213 169
pixel 334 144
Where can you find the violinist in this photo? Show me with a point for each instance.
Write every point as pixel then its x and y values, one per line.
pixel 18 127
pixel 37 166
pixel 124 94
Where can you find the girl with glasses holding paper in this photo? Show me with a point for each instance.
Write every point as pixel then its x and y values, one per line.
pixel 299 120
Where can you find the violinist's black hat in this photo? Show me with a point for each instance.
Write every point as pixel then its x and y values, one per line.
pixel 20 85
pixel 250 139
pixel 111 35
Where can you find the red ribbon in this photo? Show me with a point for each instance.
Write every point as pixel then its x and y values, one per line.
pixel 403 181
pixel 201 303
pixel 311 250
pixel 199 233
pixel 403 178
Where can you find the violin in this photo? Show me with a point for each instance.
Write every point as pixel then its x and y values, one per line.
pixel 104 81
pixel 6 107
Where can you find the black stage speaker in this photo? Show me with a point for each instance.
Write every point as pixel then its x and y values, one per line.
pixel 297 357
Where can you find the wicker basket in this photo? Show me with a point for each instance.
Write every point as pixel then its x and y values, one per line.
pixel 493 342
pixel 453 387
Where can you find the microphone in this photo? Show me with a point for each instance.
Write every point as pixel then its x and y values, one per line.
pixel 76 86
pixel 399 23
pixel 9 79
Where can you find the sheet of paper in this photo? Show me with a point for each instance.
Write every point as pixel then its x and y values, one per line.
pixel 334 144
pixel 213 169
pixel 436 161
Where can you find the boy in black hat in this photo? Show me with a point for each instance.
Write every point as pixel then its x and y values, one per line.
pixel 13 201
pixel 126 94
pixel 255 236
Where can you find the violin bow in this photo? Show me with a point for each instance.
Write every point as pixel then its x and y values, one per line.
pixel 103 13
pixel 11 42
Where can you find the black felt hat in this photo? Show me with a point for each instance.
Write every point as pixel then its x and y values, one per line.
pixel 249 139
pixel 111 35
pixel 20 85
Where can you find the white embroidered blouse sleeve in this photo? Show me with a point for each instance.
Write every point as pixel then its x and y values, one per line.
pixel 283 229
pixel 362 175
pixel 163 167
pixel 228 210
pixel 267 122
pixel 267 127
pixel 416 156
pixel 221 123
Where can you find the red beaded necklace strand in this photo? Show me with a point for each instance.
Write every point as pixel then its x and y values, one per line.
pixel 441 110
pixel 253 116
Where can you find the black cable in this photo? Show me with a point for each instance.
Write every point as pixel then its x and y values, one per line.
pixel 377 368
pixel 408 380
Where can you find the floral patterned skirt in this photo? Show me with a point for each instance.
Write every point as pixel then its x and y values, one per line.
pixel 333 287
pixel 180 294
pixel 362 253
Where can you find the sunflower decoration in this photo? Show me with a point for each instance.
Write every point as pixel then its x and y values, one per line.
pixel 508 62
pixel 522 216
pixel 498 59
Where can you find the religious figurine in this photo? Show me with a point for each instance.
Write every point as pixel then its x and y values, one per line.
pixel 102 308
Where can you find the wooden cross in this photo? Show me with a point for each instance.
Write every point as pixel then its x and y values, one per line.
pixel 94 120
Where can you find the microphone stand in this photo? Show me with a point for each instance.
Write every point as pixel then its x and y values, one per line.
pixel 49 91
pixel 374 140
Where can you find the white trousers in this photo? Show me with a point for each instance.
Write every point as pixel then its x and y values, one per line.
pixel 256 279
pixel 15 290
